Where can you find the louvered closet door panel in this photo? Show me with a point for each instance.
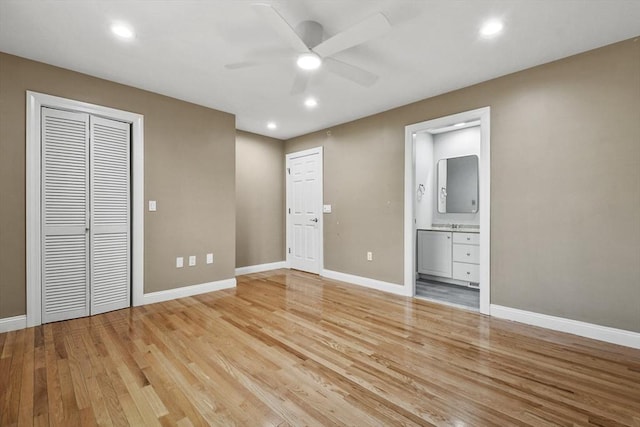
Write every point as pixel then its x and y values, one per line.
pixel 65 203
pixel 110 248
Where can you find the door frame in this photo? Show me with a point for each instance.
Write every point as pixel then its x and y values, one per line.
pixel 483 115
pixel 320 249
pixel 35 102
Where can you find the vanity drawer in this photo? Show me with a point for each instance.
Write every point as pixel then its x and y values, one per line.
pixel 467 238
pixel 466 272
pixel 466 253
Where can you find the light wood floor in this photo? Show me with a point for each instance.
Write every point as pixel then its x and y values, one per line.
pixel 288 348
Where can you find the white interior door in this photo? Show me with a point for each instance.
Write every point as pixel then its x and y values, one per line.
pixel 110 188
pixel 304 210
pixel 85 215
pixel 65 220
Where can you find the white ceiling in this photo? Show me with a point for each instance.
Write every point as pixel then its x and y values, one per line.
pixel 181 48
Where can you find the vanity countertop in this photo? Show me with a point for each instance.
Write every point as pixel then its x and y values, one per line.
pixel 455 230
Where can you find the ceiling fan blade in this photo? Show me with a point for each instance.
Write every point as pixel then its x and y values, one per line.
pixel 243 64
pixel 368 29
pixel 261 57
pixel 350 72
pixel 300 83
pixel 281 26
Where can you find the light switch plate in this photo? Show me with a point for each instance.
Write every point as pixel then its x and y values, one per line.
pixel 326 208
pixel 209 258
pixel 192 260
pixel 152 206
pixel 179 262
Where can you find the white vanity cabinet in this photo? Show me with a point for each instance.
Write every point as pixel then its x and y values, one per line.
pixel 434 253
pixel 452 255
pixel 466 257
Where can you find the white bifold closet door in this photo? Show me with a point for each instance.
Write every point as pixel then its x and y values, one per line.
pixel 85 215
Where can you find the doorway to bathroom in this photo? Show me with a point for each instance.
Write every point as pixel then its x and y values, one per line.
pixel 447 208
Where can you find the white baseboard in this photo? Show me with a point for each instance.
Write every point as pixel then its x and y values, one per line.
pixel 366 282
pixel 188 291
pixel 260 268
pixel 583 329
pixel 14 323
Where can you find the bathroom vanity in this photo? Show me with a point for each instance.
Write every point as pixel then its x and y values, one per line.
pixel 450 253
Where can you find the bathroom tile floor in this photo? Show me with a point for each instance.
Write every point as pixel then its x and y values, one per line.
pixel 451 294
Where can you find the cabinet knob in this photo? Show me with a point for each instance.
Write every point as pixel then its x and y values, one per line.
pixel 468 238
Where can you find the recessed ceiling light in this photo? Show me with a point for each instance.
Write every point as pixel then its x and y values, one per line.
pixel 309 61
pixel 122 30
pixel 491 28
pixel 272 125
pixel 310 102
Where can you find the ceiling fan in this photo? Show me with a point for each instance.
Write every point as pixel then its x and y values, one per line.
pixel 312 52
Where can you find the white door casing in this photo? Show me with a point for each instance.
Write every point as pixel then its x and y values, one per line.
pixel 35 103
pixel 304 210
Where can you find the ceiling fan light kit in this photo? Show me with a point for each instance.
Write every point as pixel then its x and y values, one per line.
pixel 309 61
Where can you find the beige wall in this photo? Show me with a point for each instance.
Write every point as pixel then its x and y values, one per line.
pixel 565 186
pixel 260 199
pixel 189 169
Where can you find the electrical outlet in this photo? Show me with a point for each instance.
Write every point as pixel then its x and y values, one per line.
pixel 209 258
pixel 369 256
pixel 192 260
pixel 179 262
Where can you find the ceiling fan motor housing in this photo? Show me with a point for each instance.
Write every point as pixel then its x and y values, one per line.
pixel 310 32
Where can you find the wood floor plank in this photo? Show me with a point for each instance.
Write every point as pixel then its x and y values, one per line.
pixel 54 402
pixel 70 410
pixel 9 408
pixel 286 348
pixel 25 416
pixel 3 339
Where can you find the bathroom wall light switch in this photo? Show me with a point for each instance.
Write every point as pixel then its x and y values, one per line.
pixel 192 260
pixel 326 208
pixel 369 256
pixel 152 206
pixel 179 262
pixel 209 258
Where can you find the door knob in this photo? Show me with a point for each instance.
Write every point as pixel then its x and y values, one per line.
pixel 314 219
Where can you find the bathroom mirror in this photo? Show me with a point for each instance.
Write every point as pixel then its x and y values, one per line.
pixel 458 185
